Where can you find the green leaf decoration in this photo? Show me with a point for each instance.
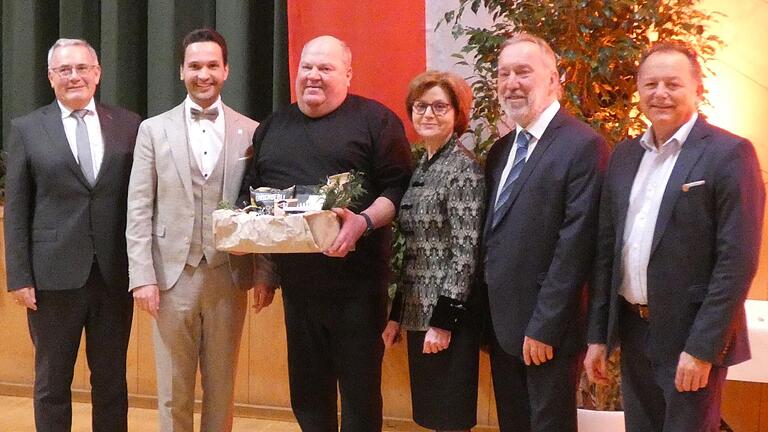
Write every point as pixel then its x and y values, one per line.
pixel 343 190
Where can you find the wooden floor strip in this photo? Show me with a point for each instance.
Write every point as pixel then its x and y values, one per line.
pixel 17 417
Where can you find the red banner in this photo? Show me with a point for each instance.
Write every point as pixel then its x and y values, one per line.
pixel 386 39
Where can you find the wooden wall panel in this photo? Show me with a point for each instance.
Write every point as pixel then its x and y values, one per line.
pixel 486 403
pixel 396 382
pixel 763 413
pixel 741 405
pixel 268 362
pixel 144 367
pixel 16 351
pixel 243 360
pixel 132 358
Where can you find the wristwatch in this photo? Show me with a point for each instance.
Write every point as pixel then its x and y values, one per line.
pixel 368 224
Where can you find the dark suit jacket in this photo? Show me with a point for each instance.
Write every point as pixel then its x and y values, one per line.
pixel 704 252
pixel 539 255
pixel 54 220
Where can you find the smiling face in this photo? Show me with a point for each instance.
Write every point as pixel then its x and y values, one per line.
pixel 527 82
pixel 434 130
pixel 669 92
pixel 76 90
pixel 322 81
pixel 204 72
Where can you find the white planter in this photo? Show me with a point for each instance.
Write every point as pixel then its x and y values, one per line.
pixel 600 421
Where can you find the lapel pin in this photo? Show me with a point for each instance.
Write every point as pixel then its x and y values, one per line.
pixel 687 186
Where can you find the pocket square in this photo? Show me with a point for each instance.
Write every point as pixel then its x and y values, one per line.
pixel 687 186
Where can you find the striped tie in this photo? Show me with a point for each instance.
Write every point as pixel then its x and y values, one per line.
pixel 517 167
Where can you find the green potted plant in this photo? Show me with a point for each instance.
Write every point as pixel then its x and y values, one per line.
pixel 599 44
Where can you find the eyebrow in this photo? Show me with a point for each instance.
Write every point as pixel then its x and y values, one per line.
pixel 195 62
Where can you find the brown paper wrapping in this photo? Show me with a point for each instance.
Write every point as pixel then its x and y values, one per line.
pixel 235 231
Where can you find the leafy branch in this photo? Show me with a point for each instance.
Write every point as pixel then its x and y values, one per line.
pixel 343 190
pixel 599 44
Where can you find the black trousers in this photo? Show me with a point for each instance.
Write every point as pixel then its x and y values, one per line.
pixel 56 328
pixel 335 341
pixel 651 401
pixel 534 398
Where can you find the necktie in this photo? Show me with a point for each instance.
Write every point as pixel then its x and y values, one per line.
pixel 198 115
pixel 84 146
pixel 522 140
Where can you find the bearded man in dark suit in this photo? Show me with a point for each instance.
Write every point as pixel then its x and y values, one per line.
pixel 66 187
pixel 544 182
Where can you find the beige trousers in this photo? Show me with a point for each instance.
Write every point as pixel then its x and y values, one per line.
pixel 200 321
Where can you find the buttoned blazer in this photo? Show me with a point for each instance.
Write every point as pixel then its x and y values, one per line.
pixel 540 254
pixel 160 198
pixel 55 221
pixel 704 252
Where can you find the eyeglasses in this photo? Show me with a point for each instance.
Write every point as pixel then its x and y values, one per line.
pixel 67 71
pixel 438 108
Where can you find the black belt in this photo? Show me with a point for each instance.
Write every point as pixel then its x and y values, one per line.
pixel 640 310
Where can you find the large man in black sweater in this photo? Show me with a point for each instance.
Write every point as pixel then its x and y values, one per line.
pixel 335 303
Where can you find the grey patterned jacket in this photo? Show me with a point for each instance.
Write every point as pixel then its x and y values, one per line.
pixel 441 218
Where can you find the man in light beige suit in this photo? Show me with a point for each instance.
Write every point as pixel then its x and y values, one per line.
pixel 186 161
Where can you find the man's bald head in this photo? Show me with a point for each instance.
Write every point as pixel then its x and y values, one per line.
pixel 332 41
pixel 325 71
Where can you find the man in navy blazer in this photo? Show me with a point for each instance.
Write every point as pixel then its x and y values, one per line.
pixel 544 180
pixel 680 225
pixel 66 188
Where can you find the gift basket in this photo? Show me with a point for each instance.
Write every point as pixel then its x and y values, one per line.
pixel 293 220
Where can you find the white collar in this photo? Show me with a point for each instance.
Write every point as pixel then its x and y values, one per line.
pixel 679 137
pixel 66 112
pixel 538 126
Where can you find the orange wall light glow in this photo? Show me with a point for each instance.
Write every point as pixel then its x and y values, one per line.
pixel 738 91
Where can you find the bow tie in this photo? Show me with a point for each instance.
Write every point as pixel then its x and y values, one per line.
pixel 210 114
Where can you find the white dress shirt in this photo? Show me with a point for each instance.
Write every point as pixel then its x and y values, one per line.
pixel 536 129
pixel 644 203
pixel 94 133
pixel 206 138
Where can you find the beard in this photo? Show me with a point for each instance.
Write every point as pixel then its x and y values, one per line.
pixel 519 113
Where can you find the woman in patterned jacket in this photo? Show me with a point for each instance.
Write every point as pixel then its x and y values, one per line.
pixel 441 218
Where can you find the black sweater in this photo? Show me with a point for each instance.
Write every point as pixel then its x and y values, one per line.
pixel 293 149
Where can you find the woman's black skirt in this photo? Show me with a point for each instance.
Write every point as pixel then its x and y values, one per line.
pixel 444 385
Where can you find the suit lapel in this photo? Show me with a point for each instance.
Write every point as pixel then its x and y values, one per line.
pixel 176 135
pixel 626 171
pixel 232 129
pixel 109 139
pixel 59 143
pixel 505 146
pixel 690 153
pixel 530 165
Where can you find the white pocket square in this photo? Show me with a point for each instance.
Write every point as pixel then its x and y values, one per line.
pixel 687 186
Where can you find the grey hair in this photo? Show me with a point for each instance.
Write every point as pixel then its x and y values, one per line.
pixel 64 42
pixel 547 52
